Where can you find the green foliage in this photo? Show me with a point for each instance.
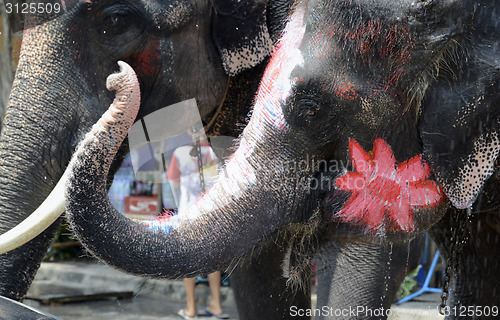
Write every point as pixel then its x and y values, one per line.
pixel 408 285
pixel 65 246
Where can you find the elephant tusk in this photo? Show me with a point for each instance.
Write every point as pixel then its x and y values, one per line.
pixel 38 221
pixel 126 85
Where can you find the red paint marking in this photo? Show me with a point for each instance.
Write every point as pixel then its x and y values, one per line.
pixel 343 91
pixel 387 47
pixel 273 70
pixel 384 190
pixel 346 92
pixel 165 215
pixel 276 83
pixel 147 62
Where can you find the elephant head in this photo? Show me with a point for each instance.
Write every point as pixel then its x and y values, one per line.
pixel 179 49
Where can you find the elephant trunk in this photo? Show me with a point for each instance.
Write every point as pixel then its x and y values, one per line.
pixel 31 160
pixel 247 204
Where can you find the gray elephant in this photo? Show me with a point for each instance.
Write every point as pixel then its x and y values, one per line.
pixel 407 101
pixel 7 57
pixel 75 48
pixel 374 120
pixel 214 52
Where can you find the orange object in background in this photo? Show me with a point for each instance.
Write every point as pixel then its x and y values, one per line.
pixel 141 207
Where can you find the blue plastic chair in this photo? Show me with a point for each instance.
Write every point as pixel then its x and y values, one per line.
pixel 425 287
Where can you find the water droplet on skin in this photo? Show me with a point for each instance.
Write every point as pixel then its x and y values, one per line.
pixel 469 212
pixel 407 256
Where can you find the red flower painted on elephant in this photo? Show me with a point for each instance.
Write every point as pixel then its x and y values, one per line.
pixel 383 190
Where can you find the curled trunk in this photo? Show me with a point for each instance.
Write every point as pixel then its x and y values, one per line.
pixel 246 206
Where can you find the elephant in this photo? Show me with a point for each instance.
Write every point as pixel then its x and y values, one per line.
pixel 213 51
pixel 57 53
pixel 309 159
pixel 363 128
pixel 264 280
pixel 7 58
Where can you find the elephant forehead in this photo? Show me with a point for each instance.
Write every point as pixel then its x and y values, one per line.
pixel 380 43
pixel 175 15
pixel 369 50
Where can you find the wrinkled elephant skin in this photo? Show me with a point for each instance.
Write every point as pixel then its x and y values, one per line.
pixel 343 140
pixel 179 52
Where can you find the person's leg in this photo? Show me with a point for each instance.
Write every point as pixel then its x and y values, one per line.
pixel 190 285
pixel 214 283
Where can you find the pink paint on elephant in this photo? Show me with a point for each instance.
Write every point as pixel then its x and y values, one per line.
pixel 114 123
pixel 384 190
pixel 127 100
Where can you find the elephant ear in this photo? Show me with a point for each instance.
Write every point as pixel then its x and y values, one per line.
pixel 241 34
pixel 460 131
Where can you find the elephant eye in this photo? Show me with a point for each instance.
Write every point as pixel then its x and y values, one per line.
pixel 311 112
pixel 118 19
pixel 308 109
pixel 119 29
pixel 115 23
pixel 115 20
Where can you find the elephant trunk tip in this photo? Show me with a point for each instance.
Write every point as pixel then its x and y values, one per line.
pixel 128 97
pixel 121 79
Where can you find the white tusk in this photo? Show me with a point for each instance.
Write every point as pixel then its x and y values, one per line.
pixel 39 220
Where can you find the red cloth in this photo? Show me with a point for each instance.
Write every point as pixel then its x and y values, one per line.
pixel 173 172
